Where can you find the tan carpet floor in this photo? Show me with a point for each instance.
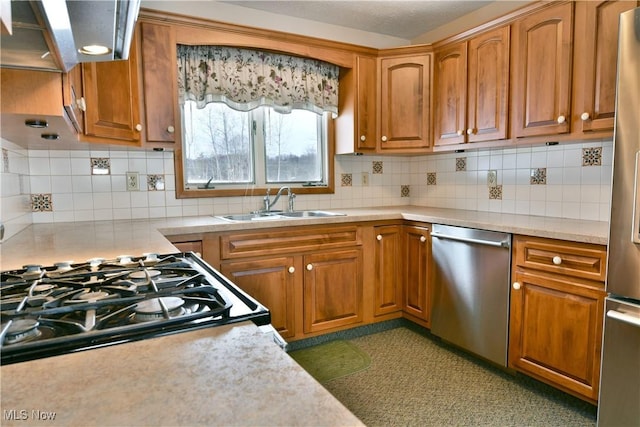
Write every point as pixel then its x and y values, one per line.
pixel 416 380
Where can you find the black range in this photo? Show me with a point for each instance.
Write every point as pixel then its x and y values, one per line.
pixel 68 307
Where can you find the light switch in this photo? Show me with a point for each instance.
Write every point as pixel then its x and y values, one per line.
pixel 492 178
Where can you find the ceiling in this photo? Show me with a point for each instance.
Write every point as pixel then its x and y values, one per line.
pixel 398 18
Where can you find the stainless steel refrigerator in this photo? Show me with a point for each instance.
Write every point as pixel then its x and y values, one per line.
pixel 619 403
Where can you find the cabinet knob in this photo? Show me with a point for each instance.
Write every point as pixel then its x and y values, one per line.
pixel 171 129
pixel 81 104
pixel 292 269
pixel 469 131
pixel 561 119
pixel 138 127
pixel 423 239
pixel 309 267
pixel 459 132
pixel 557 260
pixel 516 285
pixel 585 116
pixel 379 237
pixel 363 138
pixel 384 138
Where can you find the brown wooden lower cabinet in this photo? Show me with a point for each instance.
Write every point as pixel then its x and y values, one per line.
pixel 416 259
pixel 332 289
pixel 272 282
pixel 556 330
pixel 388 269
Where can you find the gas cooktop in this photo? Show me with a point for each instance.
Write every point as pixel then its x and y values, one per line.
pixel 67 307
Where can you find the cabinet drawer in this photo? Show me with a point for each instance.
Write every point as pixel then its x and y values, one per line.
pixel 272 241
pixel 584 260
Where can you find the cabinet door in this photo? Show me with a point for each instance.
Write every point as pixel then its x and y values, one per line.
pixel 600 52
pixel 417 248
pixel 542 71
pixel 272 282
pixel 488 93
pixel 332 289
pixel 111 94
pixel 72 97
pixel 556 330
pixel 366 103
pixel 388 271
pixel 159 81
pixel 450 86
pixel 405 102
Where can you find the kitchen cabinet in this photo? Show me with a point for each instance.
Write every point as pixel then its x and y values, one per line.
pixel 542 60
pixel 271 281
pixel 189 246
pixel 596 42
pixel 417 257
pixel 111 92
pixel 72 98
pixel 310 278
pixel 471 89
pixel 405 103
pixel 557 303
pixel 159 81
pixel 388 269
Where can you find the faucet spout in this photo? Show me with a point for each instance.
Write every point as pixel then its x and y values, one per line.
pixel 268 204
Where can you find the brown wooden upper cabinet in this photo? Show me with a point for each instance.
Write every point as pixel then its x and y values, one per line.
pixel 472 89
pixel 542 53
pixel 596 41
pixel 405 101
pixel 112 100
pixel 159 79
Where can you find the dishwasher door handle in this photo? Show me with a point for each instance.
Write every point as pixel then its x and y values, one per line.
pixel 500 244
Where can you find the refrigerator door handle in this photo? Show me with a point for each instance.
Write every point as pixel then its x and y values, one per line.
pixel 635 233
pixel 626 318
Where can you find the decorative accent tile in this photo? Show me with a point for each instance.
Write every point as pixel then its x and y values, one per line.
pixel 592 156
pixel 461 164
pixel 41 203
pixel 495 193
pixel 377 167
pixel 431 178
pixel 5 160
pixel 347 179
pixel 100 166
pixel 155 182
pixel 538 176
pixel 404 191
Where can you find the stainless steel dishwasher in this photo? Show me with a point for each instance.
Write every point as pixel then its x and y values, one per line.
pixel 471 289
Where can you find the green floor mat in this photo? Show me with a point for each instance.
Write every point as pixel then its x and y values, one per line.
pixel 332 360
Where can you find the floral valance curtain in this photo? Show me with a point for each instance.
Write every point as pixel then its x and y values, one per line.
pixel 245 79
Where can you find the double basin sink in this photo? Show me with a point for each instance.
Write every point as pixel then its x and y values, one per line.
pixel 280 215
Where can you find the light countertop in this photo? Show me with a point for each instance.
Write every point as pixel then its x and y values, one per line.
pixel 53 242
pixel 231 375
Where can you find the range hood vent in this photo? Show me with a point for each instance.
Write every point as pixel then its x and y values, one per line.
pixel 48 34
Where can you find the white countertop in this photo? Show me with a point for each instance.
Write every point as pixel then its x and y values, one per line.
pixel 232 375
pixel 46 244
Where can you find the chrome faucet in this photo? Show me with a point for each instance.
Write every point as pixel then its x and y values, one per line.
pixel 268 204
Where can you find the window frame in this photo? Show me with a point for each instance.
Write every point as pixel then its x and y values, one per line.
pixel 253 189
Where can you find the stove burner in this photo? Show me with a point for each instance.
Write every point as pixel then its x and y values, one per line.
pixel 22 330
pixel 159 308
pixel 91 296
pixel 142 274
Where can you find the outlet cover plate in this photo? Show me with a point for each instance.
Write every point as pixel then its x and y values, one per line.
pixel 365 179
pixel 133 181
pixel 492 178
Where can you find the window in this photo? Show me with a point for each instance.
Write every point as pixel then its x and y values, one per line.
pixel 254 119
pixel 229 149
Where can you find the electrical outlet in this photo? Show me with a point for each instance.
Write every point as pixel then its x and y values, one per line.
pixel 492 178
pixel 133 183
pixel 365 179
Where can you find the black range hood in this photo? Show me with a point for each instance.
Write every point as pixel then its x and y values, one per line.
pixel 50 34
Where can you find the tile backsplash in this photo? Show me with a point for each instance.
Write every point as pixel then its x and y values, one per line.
pixel 571 181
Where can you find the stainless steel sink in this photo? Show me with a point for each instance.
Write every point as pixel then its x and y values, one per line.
pixel 266 216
